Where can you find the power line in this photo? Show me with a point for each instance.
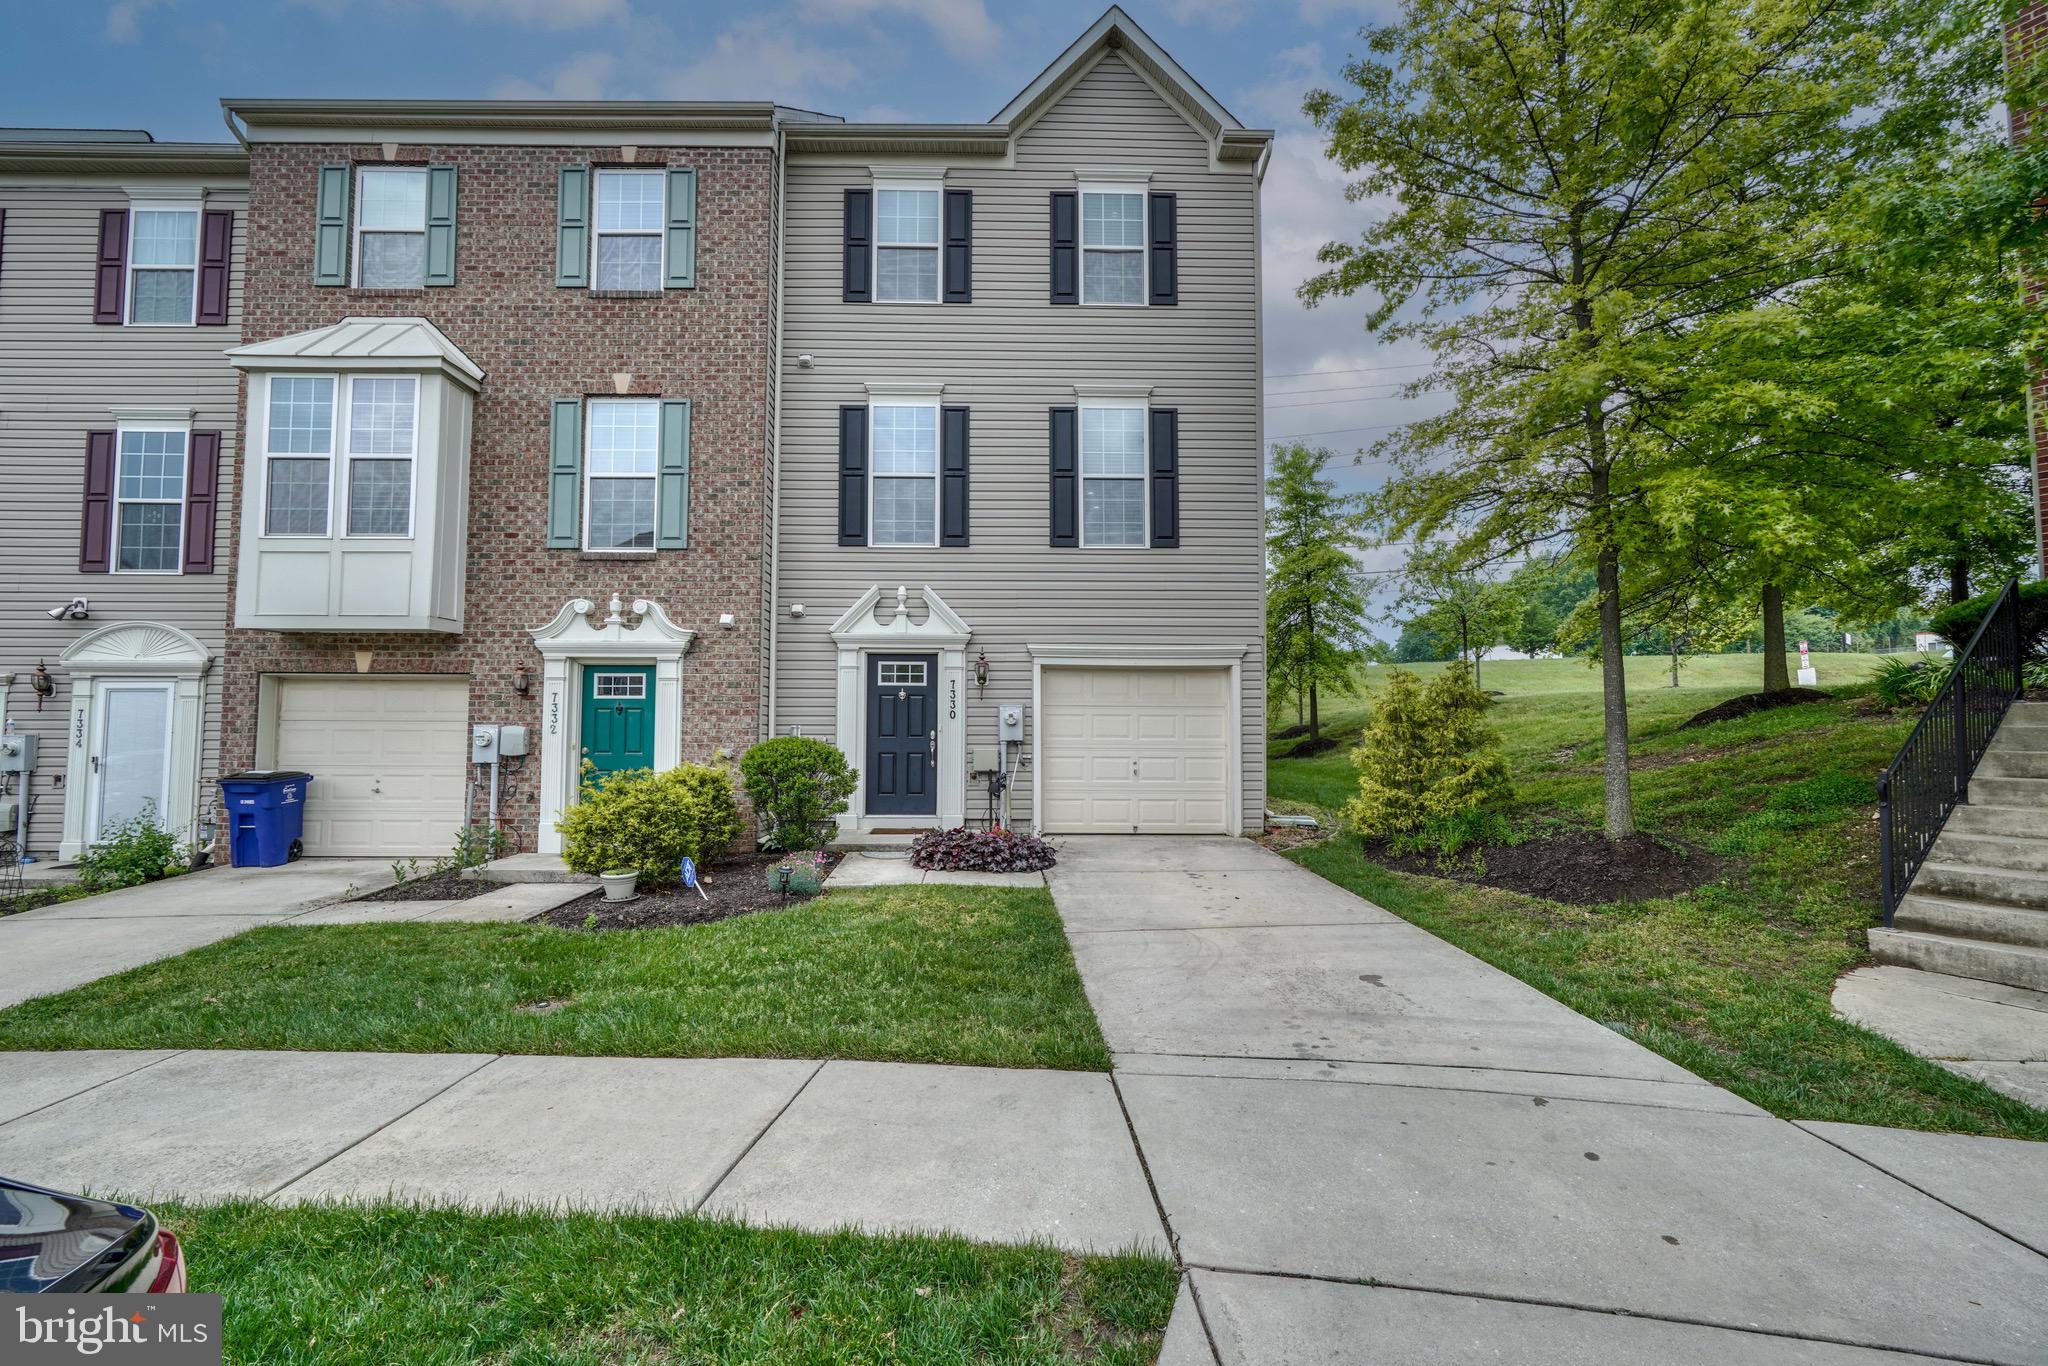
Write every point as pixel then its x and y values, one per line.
pixel 1326 402
pixel 1340 389
pixel 1355 370
pixel 1335 431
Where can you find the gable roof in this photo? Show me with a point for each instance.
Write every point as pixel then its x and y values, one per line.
pixel 363 344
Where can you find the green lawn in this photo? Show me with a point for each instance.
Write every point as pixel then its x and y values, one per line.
pixel 377 1285
pixel 1732 980
pixel 910 974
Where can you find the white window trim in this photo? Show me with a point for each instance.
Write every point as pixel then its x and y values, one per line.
pixel 936 188
pixel 135 211
pixel 660 234
pixel 185 492
pixel 654 478
pixel 938 466
pixel 333 457
pixel 356 237
pixel 1135 186
pixel 1143 478
pixel 412 481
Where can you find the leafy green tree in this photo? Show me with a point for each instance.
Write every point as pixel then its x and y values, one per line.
pixel 1475 614
pixel 1572 187
pixel 1315 612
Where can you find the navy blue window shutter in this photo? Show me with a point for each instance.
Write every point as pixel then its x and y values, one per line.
pixel 1066 247
pixel 859 238
pixel 853 474
pixel 1165 478
pixel 953 476
pixel 959 246
pixel 1163 255
pixel 1066 476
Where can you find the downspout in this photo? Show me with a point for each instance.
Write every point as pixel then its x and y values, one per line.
pixel 1258 493
pixel 2040 489
pixel 775 429
pixel 228 117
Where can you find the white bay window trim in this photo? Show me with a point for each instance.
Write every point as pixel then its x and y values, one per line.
pixel 336 401
pixel 182 468
pixel 1099 402
pixel 354 457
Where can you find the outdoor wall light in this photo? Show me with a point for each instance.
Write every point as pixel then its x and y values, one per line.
pixel 42 683
pixel 981 671
pixel 522 682
pixel 796 609
pixel 727 620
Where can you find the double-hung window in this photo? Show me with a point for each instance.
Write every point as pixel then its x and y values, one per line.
pixel 298 455
pixel 149 500
pixel 1113 475
pixel 383 435
pixel 904 442
pixel 906 245
pixel 163 265
pixel 391 228
pixel 621 464
pixel 1112 246
pixel 626 248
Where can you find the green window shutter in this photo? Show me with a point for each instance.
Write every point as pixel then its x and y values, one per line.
pixel 572 227
pixel 440 225
pixel 330 234
pixel 672 504
pixel 682 230
pixel 565 474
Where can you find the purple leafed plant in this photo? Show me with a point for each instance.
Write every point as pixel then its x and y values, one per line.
pixel 981 851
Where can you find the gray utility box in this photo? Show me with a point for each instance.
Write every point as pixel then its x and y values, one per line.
pixel 1010 722
pixel 17 753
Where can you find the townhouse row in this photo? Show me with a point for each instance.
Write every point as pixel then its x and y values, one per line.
pixel 654 429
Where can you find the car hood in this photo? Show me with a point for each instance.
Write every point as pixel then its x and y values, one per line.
pixel 50 1241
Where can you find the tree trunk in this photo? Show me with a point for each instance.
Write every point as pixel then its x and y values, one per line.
pixel 1674 661
pixel 1309 659
pixel 1465 634
pixel 1959 581
pixel 1315 720
pixel 1776 677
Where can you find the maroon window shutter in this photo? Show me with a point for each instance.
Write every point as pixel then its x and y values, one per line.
pixel 216 245
pixel 113 268
pixel 202 486
pixel 96 529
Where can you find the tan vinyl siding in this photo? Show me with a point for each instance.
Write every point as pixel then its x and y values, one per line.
pixel 60 376
pixel 1009 356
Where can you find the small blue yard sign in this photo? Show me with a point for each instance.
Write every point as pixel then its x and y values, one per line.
pixel 690 876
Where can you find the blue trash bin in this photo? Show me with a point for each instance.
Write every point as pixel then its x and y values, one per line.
pixel 266 816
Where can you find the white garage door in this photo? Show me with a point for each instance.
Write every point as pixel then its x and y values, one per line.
pixel 1134 750
pixel 388 759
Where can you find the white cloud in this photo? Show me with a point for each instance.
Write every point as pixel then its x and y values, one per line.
pixel 586 76
pixel 548 14
pixel 759 58
pixel 963 27
pixel 124 19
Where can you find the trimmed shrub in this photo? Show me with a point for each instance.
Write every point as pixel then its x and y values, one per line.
pixel 132 853
pixel 797 785
pixel 981 851
pixel 1957 622
pixel 650 822
pixel 1426 756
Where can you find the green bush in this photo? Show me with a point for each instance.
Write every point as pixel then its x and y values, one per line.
pixel 650 822
pixel 797 785
pixel 1427 755
pixel 132 853
pixel 1909 683
pixel 1957 622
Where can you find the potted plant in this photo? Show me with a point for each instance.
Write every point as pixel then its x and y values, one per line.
pixel 619 883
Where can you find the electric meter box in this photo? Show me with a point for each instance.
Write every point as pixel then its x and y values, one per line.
pixel 17 753
pixel 483 744
pixel 1010 722
pixel 511 742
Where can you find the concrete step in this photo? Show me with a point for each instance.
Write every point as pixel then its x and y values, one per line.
pixel 1997 791
pixel 2014 965
pixel 1974 882
pixel 1972 920
pixel 2014 852
pixel 2012 763
pixel 2035 712
pixel 1972 818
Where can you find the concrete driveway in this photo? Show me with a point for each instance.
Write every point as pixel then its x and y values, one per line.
pixel 1326 1096
pixel 60 947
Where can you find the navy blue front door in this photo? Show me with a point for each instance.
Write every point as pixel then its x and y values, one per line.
pixel 903 735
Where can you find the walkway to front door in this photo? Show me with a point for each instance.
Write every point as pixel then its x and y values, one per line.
pixel 903 737
pixel 618 718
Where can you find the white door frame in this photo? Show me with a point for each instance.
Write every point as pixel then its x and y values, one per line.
pixel 146 652
pixel 577 637
pixel 860 632
pixel 96 779
pixel 1045 657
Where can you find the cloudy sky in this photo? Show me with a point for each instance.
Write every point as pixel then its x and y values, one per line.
pixel 164 64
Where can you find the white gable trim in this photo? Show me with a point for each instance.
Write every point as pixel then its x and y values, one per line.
pixel 860 632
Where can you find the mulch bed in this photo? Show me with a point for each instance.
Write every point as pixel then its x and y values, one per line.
pixel 1322 744
pixel 734 886
pixel 1751 703
pixel 1575 867
pixel 449 886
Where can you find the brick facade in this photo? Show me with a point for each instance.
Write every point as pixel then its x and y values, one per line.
pixel 2026 40
pixel 537 342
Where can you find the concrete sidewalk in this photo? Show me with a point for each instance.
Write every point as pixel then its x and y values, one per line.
pixel 59 947
pixel 1326 1096
pixel 996 1154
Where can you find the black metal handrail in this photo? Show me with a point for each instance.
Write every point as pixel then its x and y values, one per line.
pixel 1918 789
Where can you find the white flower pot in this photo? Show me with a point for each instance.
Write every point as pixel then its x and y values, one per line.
pixel 619 886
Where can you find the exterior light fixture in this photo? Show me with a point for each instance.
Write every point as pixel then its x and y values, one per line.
pixel 796 609
pixel 42 683
pixel 522 682
pixel 981 671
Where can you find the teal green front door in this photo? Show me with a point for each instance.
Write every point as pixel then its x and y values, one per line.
pixel 618 718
